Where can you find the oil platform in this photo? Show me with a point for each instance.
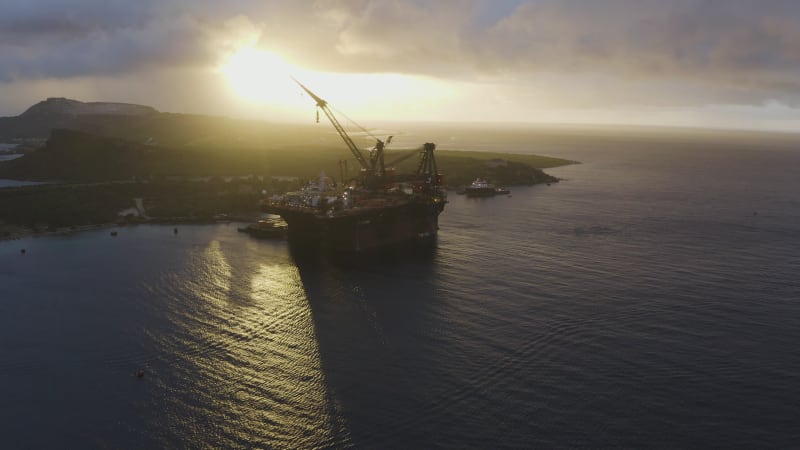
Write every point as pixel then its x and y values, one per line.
pixel 379 208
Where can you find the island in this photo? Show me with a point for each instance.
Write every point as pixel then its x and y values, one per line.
pixel 109 163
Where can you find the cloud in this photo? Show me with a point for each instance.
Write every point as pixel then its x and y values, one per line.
pixel 681 52
pixel 743 50
pixel 63 39
pixel 386 29
pixel 24 23
pixel 739 44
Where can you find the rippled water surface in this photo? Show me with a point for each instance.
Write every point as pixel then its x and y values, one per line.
pixel 650 300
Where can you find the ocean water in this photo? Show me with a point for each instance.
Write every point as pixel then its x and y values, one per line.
pixel 4 182
pixel 650 300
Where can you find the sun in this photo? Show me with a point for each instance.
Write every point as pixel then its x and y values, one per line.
pixel 263 80
pixel 260 76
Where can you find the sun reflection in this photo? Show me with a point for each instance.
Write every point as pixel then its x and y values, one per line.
pixel 295 365
pixel 217 274
pixel 245 342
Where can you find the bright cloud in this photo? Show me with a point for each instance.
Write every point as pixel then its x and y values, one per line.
pixel 496 60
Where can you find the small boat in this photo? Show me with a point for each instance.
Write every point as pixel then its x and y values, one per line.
pixel 501 190
pixel 267 229
pixel 114 233
pixel 480 188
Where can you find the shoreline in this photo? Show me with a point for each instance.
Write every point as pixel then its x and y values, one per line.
pixel 17 232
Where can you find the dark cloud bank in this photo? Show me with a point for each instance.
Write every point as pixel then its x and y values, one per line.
pixel 743 51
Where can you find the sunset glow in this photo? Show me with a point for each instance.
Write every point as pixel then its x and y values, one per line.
pixel 260 76
pixel 263 78
pixel 730 65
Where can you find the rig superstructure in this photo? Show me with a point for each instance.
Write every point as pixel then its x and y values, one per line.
pixel 378 208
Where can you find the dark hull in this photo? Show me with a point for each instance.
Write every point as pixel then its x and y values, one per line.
pixel 362 229
pixel 265 233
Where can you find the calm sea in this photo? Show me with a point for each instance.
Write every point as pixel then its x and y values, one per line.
pixel 651 300
pixel 4 157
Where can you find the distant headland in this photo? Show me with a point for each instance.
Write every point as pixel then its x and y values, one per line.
pixel 101 158
pixel 37 121
pixel 65 106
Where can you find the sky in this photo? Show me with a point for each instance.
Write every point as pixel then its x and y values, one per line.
pixel 697 63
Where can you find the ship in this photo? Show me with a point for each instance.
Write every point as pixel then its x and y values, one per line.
pixel 480 188
pixel 375 210
pixel 269 228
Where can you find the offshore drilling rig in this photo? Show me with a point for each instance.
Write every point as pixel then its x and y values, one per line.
pixel 379 208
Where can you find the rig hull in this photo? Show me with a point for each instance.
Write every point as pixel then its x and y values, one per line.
pixel 361 229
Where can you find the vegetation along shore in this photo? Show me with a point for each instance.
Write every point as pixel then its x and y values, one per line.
pixel 146 166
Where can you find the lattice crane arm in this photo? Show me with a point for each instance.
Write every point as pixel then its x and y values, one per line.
pixel 323 105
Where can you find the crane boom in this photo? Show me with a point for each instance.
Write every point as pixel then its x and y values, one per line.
pixel 322 104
